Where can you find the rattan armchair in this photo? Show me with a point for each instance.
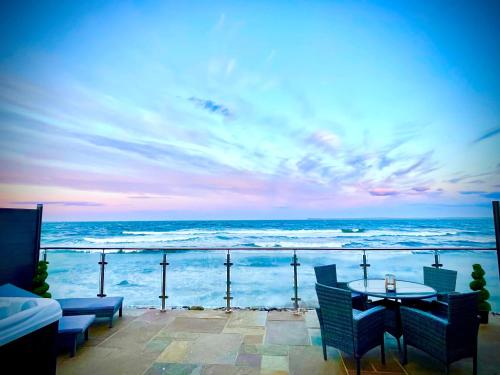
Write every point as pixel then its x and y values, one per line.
pixel 327 275
pixel 352 331
pixel 447 338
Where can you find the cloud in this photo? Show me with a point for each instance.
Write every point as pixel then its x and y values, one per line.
pixel 60 203
pixel 211 106
pixel 420 189
pixel 382 192
pixel 488 134
pixel 325 139
pixel 482 194
pixel 494 195
pixel 414 166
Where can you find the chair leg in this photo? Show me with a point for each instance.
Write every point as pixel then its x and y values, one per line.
pixel 399 344
pixel 358 366
pixel 86 334
pixel 324 350
pixel 446 369
pixel 474 363
pixel 120 311
pixel 405 353
pixel 111 322
pixel 73 348
pixel 382 350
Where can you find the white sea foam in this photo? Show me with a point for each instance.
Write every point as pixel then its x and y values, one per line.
pixel 318 233
pixel 141 239
pixel 299 244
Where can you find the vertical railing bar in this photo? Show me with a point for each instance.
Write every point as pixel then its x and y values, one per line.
pixel 365 266
pixel 295 297
pixel 102 264
pixel 164 296
pixel 45 256
pixel 228 296
pixel 436 260
pixel 496 220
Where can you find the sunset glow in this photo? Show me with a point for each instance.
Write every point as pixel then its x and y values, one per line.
pixel 241 110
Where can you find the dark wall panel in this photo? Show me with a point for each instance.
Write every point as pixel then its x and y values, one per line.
pixel 19 245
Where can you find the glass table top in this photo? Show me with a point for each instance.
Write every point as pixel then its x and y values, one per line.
pixel 404 289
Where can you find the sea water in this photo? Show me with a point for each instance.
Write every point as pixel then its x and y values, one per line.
pixel 259 278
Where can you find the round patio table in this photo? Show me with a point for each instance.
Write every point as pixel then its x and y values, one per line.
pixel 404 289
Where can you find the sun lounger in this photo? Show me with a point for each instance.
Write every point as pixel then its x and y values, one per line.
pixel 101 307
pixel 71 328
pixel 9 290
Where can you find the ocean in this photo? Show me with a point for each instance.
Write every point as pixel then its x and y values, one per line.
pixel 259 278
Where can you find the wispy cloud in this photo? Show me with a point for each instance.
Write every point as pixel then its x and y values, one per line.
pixel 212 106
pixel 60 203
pixel 382 192
pixel 487 135
pixel 421 189
pixel 326 140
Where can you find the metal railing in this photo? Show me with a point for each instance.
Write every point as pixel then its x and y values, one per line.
pixel 228 263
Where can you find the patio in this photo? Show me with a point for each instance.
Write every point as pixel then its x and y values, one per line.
pixel 210 342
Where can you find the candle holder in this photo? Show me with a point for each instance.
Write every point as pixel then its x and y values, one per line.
pixel 390 283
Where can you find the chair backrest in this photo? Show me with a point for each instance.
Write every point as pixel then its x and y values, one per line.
pixel 336 313
pixel 462 309
pixel 326 275
pixel 442 280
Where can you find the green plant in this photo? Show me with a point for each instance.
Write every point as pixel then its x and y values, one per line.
pixel 40 287
pixel 478 284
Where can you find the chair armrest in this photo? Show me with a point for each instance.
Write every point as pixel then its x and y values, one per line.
pixel 342 285
pixel 422 324
pixel 439 308
pixel 412 313
pixel 370 321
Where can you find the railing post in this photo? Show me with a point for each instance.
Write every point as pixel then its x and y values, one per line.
pixel 228 297
pixel 365 266
pixel 45 256
pixel 102 263
pixel 496 219
pixel 295 297
pixel 436 260
pixel 163 296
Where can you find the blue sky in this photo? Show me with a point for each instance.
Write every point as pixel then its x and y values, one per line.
pixel 159 110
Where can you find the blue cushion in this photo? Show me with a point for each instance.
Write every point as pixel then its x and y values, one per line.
pixel 97 305
pixel 9 290
pixel 75 324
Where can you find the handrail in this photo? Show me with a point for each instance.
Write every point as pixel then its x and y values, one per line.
pixel 102 263
pixel 222 248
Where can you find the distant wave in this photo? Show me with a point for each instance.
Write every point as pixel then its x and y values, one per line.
pixel 264 237
pixel 299 244
pixel 142 239
pixel 294 233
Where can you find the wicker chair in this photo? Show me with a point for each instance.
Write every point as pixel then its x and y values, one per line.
pixel 447 338
pixel 352 331
pixel 444 281
pixel 327 275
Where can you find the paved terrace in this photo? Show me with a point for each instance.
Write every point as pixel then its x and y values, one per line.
pixel 210 342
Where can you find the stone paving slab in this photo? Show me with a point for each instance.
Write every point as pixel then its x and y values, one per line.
pixel 228 370
pixel 286 332
pixel 197 325
pixel 247 319
pixel 214 349
pixel 150 342
pixel 284 315
pixel 173 369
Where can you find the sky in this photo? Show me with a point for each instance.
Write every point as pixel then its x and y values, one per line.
pixel 158 110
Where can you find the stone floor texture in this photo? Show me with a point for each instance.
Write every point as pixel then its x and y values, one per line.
pixel 211 342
